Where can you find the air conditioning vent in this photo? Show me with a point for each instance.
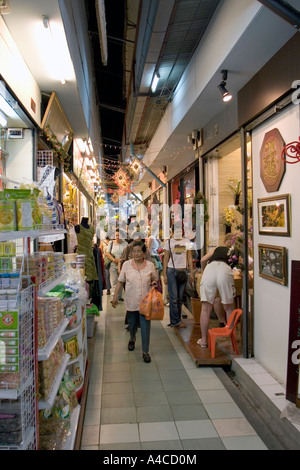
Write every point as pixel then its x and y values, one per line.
pixel 16 133
pixel 4 7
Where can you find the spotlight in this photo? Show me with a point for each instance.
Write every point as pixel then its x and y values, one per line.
pixel 222 87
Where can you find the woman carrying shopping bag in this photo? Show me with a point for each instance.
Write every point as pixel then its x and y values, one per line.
pixel 139 276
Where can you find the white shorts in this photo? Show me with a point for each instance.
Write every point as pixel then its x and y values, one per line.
pixel 217 276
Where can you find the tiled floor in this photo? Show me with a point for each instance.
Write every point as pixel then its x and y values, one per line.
pixel 169 404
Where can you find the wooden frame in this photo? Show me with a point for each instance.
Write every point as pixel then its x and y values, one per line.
pixel 273 263
pixel 274 215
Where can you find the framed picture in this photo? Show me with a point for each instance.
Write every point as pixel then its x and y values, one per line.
pixel 274 215
pixel 273 263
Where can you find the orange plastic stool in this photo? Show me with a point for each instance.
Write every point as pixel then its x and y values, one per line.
pixel 228 330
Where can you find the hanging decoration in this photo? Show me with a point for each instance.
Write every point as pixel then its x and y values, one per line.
pixel 121 177
pixel 135 166
pixel 292 151
pixel 58 150
pixel 115 198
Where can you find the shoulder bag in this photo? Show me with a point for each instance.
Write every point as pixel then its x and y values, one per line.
pixel 181 276
pixel 108 261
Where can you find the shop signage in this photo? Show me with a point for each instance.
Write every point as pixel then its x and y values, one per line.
pixel 292 387
pixel 272 166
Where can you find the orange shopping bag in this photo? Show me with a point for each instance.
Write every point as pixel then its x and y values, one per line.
pixel 152 306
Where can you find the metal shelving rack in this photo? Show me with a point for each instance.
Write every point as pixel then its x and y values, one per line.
pixel 22 395
pixel 24 392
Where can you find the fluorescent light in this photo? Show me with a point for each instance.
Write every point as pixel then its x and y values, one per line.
pixel 3 120
pixel 155 82
pixel 53 46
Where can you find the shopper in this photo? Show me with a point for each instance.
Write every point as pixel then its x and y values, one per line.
pixel 177 258
pixel 217 276
pixel 127 252
pixel 114 252
pixel 139 275
pixel 103 249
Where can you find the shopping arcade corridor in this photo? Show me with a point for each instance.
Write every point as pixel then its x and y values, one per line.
pixel 169 404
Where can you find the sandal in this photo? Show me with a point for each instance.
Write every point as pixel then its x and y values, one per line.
pixel 202 345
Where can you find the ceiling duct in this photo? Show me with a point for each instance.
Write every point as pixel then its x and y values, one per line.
pixel 284 10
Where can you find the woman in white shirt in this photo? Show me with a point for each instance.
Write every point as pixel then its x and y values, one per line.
pixel 177 257
pixel 114 252
pixel 138 275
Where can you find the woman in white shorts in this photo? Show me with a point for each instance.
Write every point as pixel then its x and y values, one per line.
pixel 217 276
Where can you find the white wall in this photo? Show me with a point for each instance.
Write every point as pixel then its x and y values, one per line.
pixel 19 165
pixel 271 300
pixel 16 73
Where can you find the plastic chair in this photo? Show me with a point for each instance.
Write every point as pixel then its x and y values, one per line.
pixel 228 330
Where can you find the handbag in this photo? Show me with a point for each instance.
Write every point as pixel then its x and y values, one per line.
pixel 152 306
pixel 181 276
pixel 108 261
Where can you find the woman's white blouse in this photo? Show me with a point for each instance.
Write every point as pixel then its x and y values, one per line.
pixel 137 282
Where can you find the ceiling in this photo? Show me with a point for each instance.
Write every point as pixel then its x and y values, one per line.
pixel 23 22
pixel 160 34
pixel 264 36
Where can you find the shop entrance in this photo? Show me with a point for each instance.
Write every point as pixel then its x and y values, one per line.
pixel 227 183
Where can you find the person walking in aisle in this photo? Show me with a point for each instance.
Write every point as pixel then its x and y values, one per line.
pixel 139 275
pixel 103 249
pixel 177 258
pixel 114 252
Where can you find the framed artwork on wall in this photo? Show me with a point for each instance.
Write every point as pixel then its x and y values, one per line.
pixel 273 263
pixel 274 215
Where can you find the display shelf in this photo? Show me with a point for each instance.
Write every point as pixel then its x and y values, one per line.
pixel 69 444
pixel 72 332
pixel 49 401
pixel 39 232
pixel 15 393
pixel 51 283
pixel 44 353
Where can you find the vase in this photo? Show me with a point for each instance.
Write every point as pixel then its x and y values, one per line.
pixel 227 228
pixel 237 200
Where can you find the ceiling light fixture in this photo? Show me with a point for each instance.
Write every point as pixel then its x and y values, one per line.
pixel 222 87
pixel 155 82
pixel 56 49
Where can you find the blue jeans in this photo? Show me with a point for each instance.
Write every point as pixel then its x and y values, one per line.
pixel 134 320
pixel 107 278
pixel 176 291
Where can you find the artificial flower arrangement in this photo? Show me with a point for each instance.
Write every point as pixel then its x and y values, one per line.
pixel 235 244
pixel 236 188
pixel 229 215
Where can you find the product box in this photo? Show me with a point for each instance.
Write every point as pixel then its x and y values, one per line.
pixel 25 214
pixel 14 194
pixel 7 249
pixel 8 220
pixel 9 321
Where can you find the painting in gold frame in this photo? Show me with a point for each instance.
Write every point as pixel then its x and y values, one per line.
pixel 274 215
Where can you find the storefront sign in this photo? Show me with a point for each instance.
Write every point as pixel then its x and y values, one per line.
pixel 272 167
pixel 292 388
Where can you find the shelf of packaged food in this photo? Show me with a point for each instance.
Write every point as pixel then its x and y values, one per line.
pixel 44 353
pixel 69 444
pixel 14 393
pixel 52 282
pixel 40 232
pixel 49 401
pixel 72 331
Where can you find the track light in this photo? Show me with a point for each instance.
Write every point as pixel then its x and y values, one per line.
pixel 222 87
